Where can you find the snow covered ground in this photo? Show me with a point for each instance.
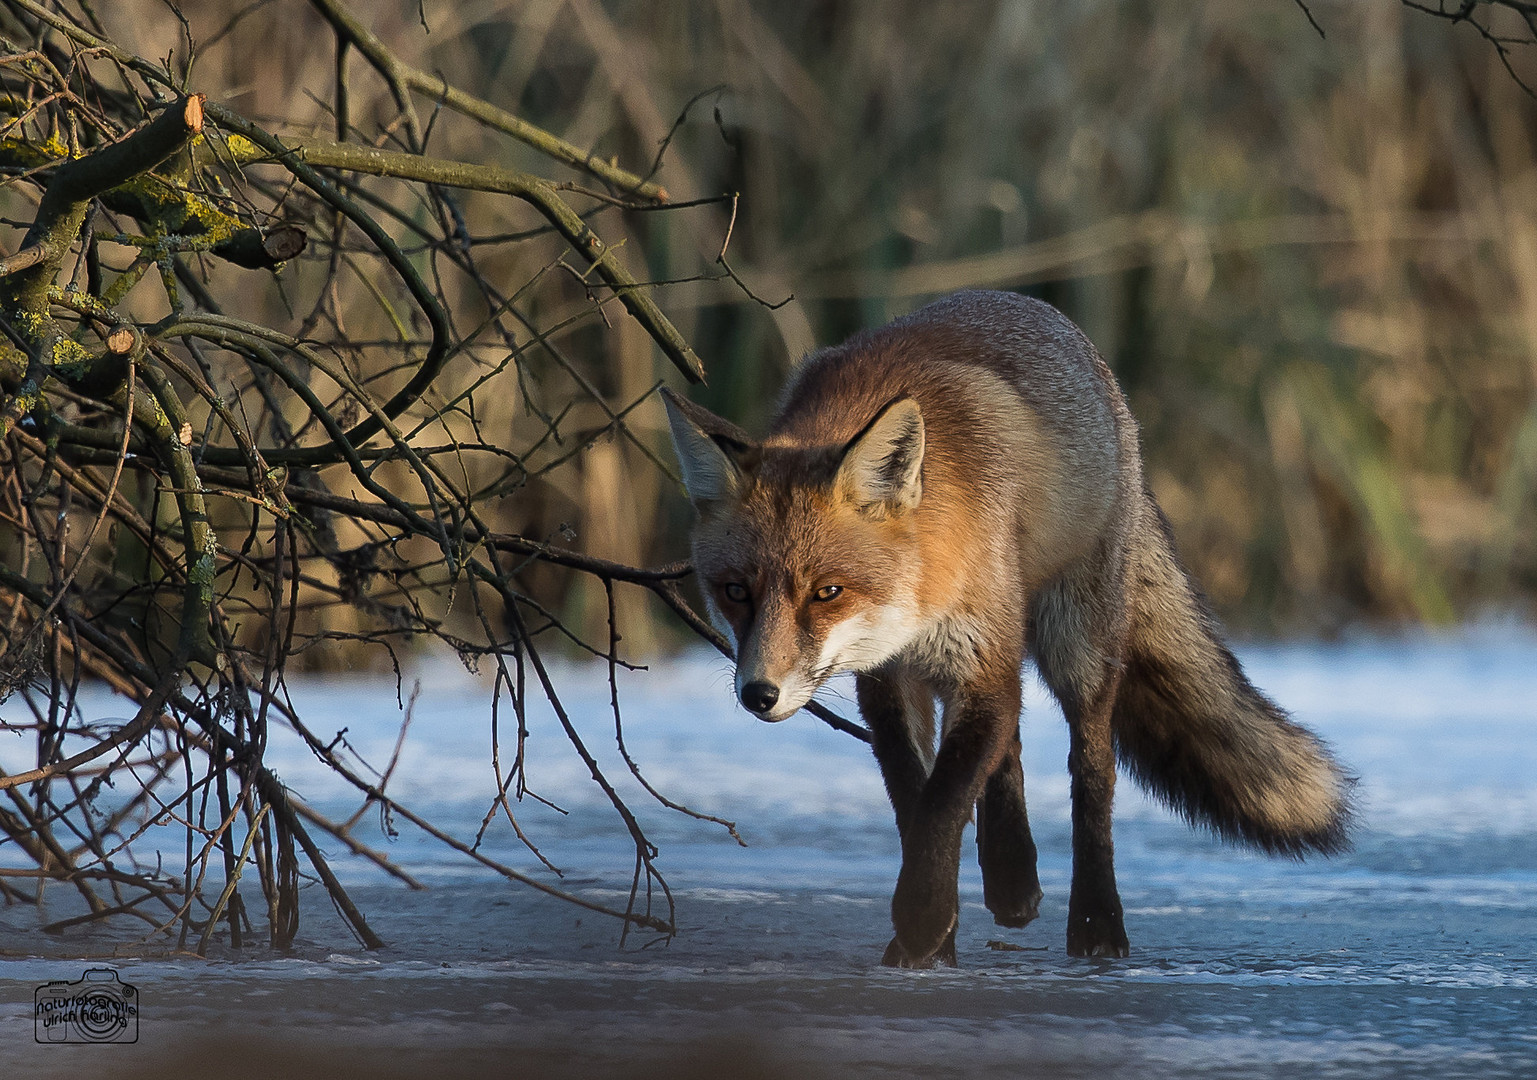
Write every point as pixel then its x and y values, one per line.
pixel 1414 955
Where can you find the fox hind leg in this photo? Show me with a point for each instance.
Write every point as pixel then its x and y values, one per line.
pixel 1078 639
pixel 1011 888
pixel 1095 926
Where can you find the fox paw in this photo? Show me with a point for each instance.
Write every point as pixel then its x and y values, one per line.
pixel 924 911
pixel 1097 934
pixel 943 958
pixel 1018 911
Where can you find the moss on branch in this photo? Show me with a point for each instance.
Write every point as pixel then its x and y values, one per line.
pixel 167 209
pixel 24 301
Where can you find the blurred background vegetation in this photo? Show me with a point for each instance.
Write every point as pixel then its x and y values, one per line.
pixel 1311 261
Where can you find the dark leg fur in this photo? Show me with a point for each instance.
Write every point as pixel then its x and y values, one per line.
pixel 1094 921
pixel 925 906
pixel 1079 633
pixel 884 698
pixel 884 701
pixel 1005 848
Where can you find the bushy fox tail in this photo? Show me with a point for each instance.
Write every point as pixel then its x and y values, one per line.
pixel 1192 729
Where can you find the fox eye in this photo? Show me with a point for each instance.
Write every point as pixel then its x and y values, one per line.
pixel 829 592
pixel 735 592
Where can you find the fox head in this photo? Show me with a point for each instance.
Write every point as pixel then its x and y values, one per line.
pixel 806 554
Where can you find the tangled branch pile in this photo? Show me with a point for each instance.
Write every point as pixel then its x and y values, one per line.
pixel 200 486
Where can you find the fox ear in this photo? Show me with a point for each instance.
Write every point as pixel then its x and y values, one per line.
pixel 707 448
pixel 882 466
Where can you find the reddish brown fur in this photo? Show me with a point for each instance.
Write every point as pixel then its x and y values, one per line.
pixel 1029 527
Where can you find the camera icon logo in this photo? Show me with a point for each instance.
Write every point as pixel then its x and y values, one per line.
pixel 98 1007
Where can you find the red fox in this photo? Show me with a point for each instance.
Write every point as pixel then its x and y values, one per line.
pixel 937 500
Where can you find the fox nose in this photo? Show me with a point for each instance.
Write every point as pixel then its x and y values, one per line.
pixel 759 697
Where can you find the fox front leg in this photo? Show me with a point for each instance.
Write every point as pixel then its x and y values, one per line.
pixel 1011 888
pixel 926 904
pixel 899 708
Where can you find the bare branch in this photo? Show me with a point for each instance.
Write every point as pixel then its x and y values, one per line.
pixel 259 398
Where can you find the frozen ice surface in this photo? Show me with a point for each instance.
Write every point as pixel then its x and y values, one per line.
pixel 1415 955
